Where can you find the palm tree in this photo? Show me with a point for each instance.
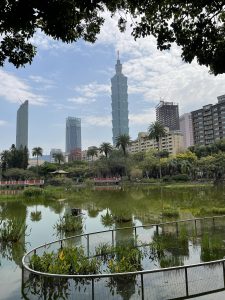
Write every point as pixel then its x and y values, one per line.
pixel 37 151
pixel 58 157
pixel 105 148
pixel 122 141
pixel 156 131
pixel 92 151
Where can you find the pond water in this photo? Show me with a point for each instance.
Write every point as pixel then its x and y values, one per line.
pixel 128 207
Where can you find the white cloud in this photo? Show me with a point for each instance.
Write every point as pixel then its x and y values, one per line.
pixel 14 89
pixel 81 100
pixel 3 123
pixel 97 121
pixel 143 118
pixel 154 74
pixel 92 90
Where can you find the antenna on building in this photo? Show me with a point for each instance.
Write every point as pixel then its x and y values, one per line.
pixel 118 55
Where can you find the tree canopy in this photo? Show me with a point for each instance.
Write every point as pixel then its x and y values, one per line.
pixel 196 26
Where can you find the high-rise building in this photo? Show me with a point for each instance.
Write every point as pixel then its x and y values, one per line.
pixel 73 138
pixel 22 126
pixel 119 103
pixel 209 123
pixel 167 113
pixel 186 129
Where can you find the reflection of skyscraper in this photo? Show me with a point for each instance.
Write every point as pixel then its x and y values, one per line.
pixel 22 126
pixel 73 138
pixel 119 103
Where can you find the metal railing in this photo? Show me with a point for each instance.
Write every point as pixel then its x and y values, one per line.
pixel 167 283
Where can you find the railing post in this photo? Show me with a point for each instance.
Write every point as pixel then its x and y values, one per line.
pixel 113 238
pixel 88 245
pixel 177 230
pixel 157 229
pixel 92 288
pixel 195 226
pixel 135 235
pixel 223 273
pixel 186 281
pixel 142 288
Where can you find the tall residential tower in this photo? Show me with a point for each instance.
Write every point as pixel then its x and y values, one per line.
pixel 167 113
pixel 209 123
pixel 119 103
pixel 186 129
pixel 22 126
pixel 73 138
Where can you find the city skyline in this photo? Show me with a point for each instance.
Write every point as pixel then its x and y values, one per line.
pixel 75 80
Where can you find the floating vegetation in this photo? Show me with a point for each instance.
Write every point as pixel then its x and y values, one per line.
pixel 38 193
pixel 72 260
pixel 69 223
pixel 69 260
pixel 170 213
pixel 107 219
pixel 12 230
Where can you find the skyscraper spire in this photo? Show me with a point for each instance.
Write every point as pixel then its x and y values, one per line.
pixel 118 64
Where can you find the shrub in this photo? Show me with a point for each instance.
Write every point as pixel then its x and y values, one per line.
pixel 33 192
pixel 69 223
pixel 170 213
pixel 181 177
pixel 69 260
pixel 167 178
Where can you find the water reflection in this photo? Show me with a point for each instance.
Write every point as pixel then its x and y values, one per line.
pixel 133 205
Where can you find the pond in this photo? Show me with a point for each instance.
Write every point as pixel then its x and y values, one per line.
pixel 126 207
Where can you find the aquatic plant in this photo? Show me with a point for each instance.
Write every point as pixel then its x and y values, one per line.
pixel 127 258
pixel 69 223
pixel 69 260
pixel 12 230
pixel 32 192
pixel 107 219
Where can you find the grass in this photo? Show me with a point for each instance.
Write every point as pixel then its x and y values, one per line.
pixel 211 211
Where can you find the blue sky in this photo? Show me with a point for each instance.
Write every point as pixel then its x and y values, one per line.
pixel 74 80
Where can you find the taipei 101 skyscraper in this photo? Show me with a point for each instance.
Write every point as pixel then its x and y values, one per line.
pixel 119 103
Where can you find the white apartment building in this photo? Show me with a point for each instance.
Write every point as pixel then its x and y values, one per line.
pixel 172 142
pixel 186 129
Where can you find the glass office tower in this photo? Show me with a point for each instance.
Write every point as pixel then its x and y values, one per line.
pixel 22 126
pixel 73 138
pixel 119 103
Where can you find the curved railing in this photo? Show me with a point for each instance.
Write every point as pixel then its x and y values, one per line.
pixel 167 283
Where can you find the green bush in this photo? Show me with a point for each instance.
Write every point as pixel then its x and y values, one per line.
pixel 69 260
pixel 170 213
pixel 181 177
pixel 167 178
pixel 33 192
pixel 69 223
